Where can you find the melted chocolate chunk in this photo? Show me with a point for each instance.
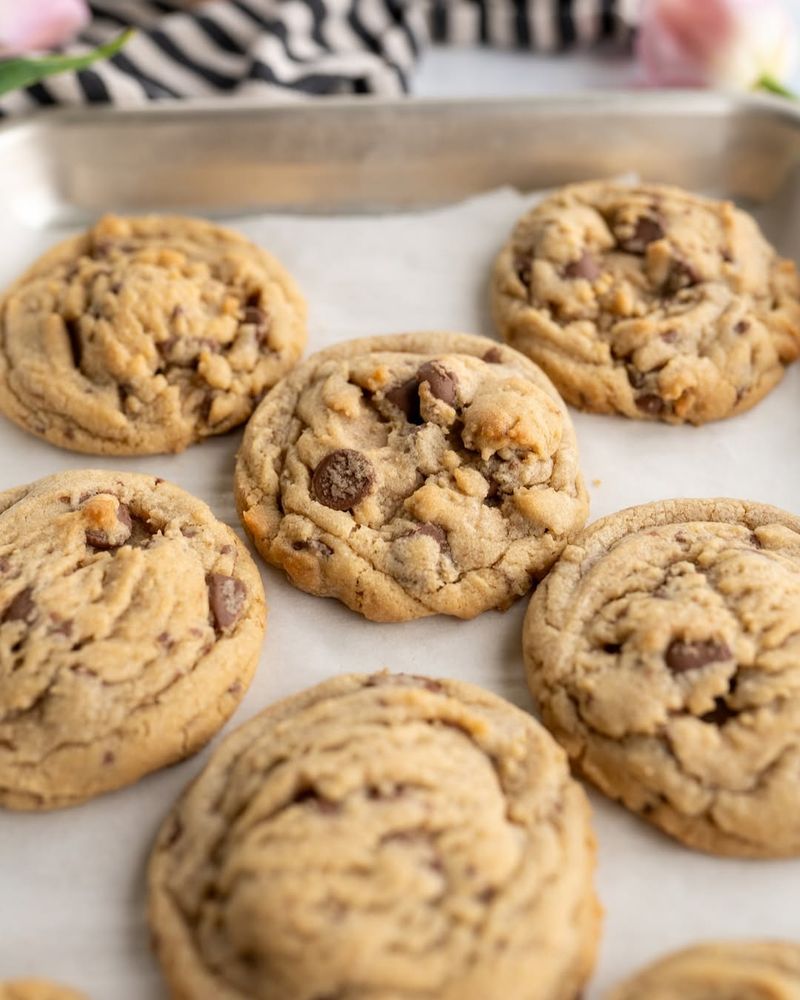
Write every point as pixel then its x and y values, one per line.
pixel 441 382
pixel 226 596
pixel 258 318
pixel 434 531
pixel 681 275
pixel 100 540
pixel 645 231
pixel 650 403
pixel 585 267
pixel 313 545
pixel 21 608
pixel 742 326
pixel 406 398
pixel 635 377
pixel 682 656
pixel 342 479
pixel 493 356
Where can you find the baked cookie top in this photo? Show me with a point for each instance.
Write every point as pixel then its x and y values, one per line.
pixel 724 970
pixel 37 989
pixel 664 652
pixel 383 836
pixel 412 474
pixel 146 334
pixel 648 301
pixel 130 626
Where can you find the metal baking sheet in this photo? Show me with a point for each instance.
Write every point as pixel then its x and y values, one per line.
pixel 344 192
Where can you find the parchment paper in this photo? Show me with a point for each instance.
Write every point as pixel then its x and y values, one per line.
pixel 71 882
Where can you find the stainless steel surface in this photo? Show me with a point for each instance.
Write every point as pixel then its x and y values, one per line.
pixel 362 155
pixel 73 881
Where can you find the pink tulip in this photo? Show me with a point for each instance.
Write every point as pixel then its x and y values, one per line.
pixel 715 43
pixel 33 25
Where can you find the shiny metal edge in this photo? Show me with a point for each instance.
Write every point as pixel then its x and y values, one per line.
pixel 367 155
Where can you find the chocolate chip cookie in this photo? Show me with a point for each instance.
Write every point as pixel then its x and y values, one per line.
pixel 411 475
pixel 37 989
pixel 146 334
pixel 648 301
pixel 376 837
pixel 724 970
pixel 664 652
pixel 130 625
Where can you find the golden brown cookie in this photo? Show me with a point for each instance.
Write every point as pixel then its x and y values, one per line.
pixel 664 652
pixel 146 334
pixel 131 622
pixel 724 970
pixel 37 989
pixel 648 301
pixel 379 837
pixel 412 475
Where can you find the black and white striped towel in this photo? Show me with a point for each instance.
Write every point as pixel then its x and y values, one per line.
pixel 279 49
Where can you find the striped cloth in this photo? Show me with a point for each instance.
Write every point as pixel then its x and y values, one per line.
pixel 284 49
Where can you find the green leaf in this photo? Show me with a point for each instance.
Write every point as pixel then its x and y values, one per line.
pixel 16 73
pixel 773 86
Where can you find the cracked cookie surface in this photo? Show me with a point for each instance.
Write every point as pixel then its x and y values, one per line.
pixel 144 335
pixel 411 475
pixel 724 970
pixel 664 652
pixel 379 837
pixel 37 989
pixel 648 301
pixel 130 625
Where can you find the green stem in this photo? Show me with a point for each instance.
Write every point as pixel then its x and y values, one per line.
pixel 16 73
pixel 773 86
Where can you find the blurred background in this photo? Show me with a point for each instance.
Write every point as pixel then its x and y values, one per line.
pixel 278 50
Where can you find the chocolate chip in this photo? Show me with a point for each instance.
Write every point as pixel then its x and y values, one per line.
pixel 635 377
pixel 260 319
pixel 342 479
pixel 100 540
pixel 650 403
pixel 612 647
pixel 226 597
pixel 115 288
pixel 720 713
pixel 21 608
pixel 109 757
pixel 645 231
pixel 313 545
pixel 434 531
pixel 493 356
pixel 742 326
pixel 681 275
pixel 406 398
pixel 585 267
pixel 669 336
pixel 682 656
pixel 441 382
